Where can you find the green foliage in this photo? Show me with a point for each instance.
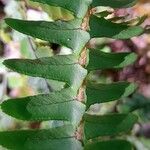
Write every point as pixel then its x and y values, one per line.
pixel 107 125
pixel 64 33
pixel 114 3
pixel 136 102
pixel 109 145
pixel 78 7
pixel 68 104
pixel 102 93
pixel 99 60
pixel 61 68
pixel 60 138
pixel 54 106
pixel 100 27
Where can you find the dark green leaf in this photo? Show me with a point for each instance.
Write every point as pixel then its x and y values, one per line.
pixel 114 3
pixel 102 60
pixel 108 125
pixel 59 105
pixel 78 7
pixel 100 27
pixel 101 93
pixel 60 138
pixel 60 32
pixel 109 145
pixel 61 68
pixel 104 13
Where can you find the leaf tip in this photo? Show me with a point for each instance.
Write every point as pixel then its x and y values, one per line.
pixel 7 63
pixel 4 109
pixel 8 20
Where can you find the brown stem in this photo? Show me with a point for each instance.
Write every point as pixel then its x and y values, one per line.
pixel 82 62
